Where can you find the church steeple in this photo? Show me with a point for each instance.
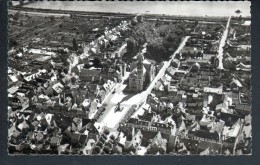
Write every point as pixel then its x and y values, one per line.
pixel 140 60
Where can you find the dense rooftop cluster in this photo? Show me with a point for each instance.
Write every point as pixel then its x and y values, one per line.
pixel 59 102
pixel 195 108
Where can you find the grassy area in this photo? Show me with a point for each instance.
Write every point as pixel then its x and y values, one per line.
pixel 162 39
pixel 24 28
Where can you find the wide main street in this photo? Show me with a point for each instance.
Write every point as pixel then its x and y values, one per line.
pixel 222 44
pixel 110 118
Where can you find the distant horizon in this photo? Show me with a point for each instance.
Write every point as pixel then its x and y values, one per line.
pixel 178 8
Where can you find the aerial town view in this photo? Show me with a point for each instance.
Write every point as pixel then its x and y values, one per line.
pixel 116 82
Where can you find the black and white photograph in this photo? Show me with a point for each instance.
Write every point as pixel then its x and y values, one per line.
pixel 129 78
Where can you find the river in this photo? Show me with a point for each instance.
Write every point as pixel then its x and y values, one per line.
pixel 184 8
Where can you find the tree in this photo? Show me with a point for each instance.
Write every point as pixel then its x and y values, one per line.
pixel 240 18
pixel 75 44
pixel 133 23
pixel 112 137
pixel 131 47
pixel 196 23
pixel 96 150
pixel 106 149
pixel 139 18
pixel 212 60
pixel 60 26
pixel 52 18
pixel 178 56
pixel 64 59
pixel 199 54
pixel 87 65
pixel 16 16
pixel 106 131
pixel 157 23
pixel 96 62
pixel 12 42
pixel 65 70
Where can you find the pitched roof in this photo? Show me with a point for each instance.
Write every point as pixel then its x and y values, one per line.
pixel 234 131
pixel 214 148
pixel 13 89
pixel 218 90
pixel 228 117
pixel 135 141
pixel 204 134
pixel 205 152
pixel 159 141
pixel 55 140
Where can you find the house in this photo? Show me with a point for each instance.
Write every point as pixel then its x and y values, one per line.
pixel 228 118
pixel 23 127
pixel 34 125
pixel 202 62
pixel 171 144
pixel 175 63
pixel 88 148
pixel 243 109
pixel 135 142
pixel 93 88
pixel 145 125
pixel 235 98
pixel 58 87
pixel 230 134
pixel 189 82
pixel 18 102
pixel 13 90
pixel 75 137
pixel 146 116
pixel 158 144
pixel 247 128
pixel 202 147
pixel 204 135
pixel 102 94
pixel 85 73
pixel 208 56
pixel 218 90
pixel 117 149
pixel 93 107
pixel 243 67
pixel 180 148
pixel 55 141
pixel 235 84
pixel 163 128
pixel 177 117
pixel 39 137
pixel 195 67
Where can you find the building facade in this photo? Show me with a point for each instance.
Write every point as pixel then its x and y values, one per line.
pixel 142 73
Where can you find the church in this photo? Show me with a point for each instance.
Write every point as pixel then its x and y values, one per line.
pixel 142 73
